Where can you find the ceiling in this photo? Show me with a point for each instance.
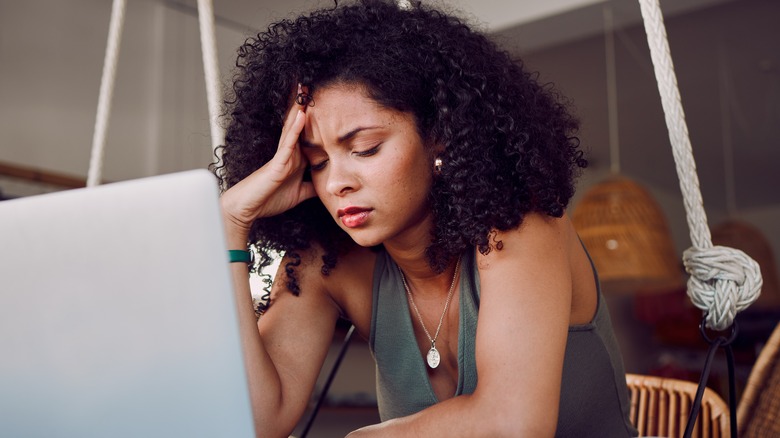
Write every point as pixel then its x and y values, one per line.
pixel 570 19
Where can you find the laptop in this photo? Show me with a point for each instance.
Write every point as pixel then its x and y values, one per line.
pixel 117 316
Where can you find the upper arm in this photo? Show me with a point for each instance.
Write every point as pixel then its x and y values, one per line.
pixel 525 306
pixel 296 331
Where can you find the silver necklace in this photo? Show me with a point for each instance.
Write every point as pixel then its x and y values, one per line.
pixel 433 356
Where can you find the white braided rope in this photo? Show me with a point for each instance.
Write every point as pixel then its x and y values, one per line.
pixel 723 280
pixel 210 68
pixel 106 92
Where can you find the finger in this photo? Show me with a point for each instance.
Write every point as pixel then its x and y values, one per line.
pixel 303 98
pixel 289 139
pixel 296 102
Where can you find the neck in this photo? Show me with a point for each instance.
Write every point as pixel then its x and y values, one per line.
pixel 412 261
pixel 423 282
pixel 408 252
pixel 408 249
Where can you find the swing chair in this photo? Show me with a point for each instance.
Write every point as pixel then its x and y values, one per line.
pixel 723 281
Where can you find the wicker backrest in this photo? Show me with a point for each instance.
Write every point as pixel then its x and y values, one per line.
pixel 660 407
pixel 758 415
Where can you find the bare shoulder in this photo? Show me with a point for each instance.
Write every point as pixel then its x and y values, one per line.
pixel 545 254
pixel 299 292
pixel 530 262
pixel 537 237
pixel 350 285
pixel 347 288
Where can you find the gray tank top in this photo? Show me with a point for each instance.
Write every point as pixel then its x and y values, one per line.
pixel 594 397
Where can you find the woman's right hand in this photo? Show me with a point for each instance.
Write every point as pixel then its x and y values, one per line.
pixel 277 186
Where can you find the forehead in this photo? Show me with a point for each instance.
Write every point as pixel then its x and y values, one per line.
pixel 343 98
pixel 341 108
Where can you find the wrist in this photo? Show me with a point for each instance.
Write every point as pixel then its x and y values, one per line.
pixel 237 241
pixel 236 235
pixel 236 229
pixel 241 256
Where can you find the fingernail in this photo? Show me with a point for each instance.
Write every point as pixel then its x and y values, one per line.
pixel 300 88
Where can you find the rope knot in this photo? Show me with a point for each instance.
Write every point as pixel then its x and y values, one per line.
pixel 723 281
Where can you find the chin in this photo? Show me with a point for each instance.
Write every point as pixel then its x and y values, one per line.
pixel 365 243
pixel 365 238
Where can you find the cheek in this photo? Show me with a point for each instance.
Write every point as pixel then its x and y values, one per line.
pixel 320 189
pixel 414 179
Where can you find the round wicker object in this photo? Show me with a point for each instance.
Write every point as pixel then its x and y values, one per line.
pixel 628 238
pixel 744 236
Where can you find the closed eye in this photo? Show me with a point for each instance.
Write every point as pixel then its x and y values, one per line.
pixel 368 152
pixel 318 166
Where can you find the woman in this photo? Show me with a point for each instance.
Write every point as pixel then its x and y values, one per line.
pixel 416 179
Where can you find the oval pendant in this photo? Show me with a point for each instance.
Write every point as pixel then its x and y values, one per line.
pixel 433 357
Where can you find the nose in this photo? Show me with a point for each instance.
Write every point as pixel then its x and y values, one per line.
pixel 342 177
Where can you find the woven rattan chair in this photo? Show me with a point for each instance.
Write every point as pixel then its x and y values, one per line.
pixel 660 407
pixel 758 415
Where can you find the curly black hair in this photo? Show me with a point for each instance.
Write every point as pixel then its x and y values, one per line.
pixel 509 143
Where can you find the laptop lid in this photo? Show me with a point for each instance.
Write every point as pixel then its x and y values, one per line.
pixel 117 317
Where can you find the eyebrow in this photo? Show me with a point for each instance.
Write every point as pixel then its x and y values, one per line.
pixel 343 138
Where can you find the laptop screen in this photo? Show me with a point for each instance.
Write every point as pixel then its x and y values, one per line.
pixel 117 315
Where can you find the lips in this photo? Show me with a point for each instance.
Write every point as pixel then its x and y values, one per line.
pixel 353 217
